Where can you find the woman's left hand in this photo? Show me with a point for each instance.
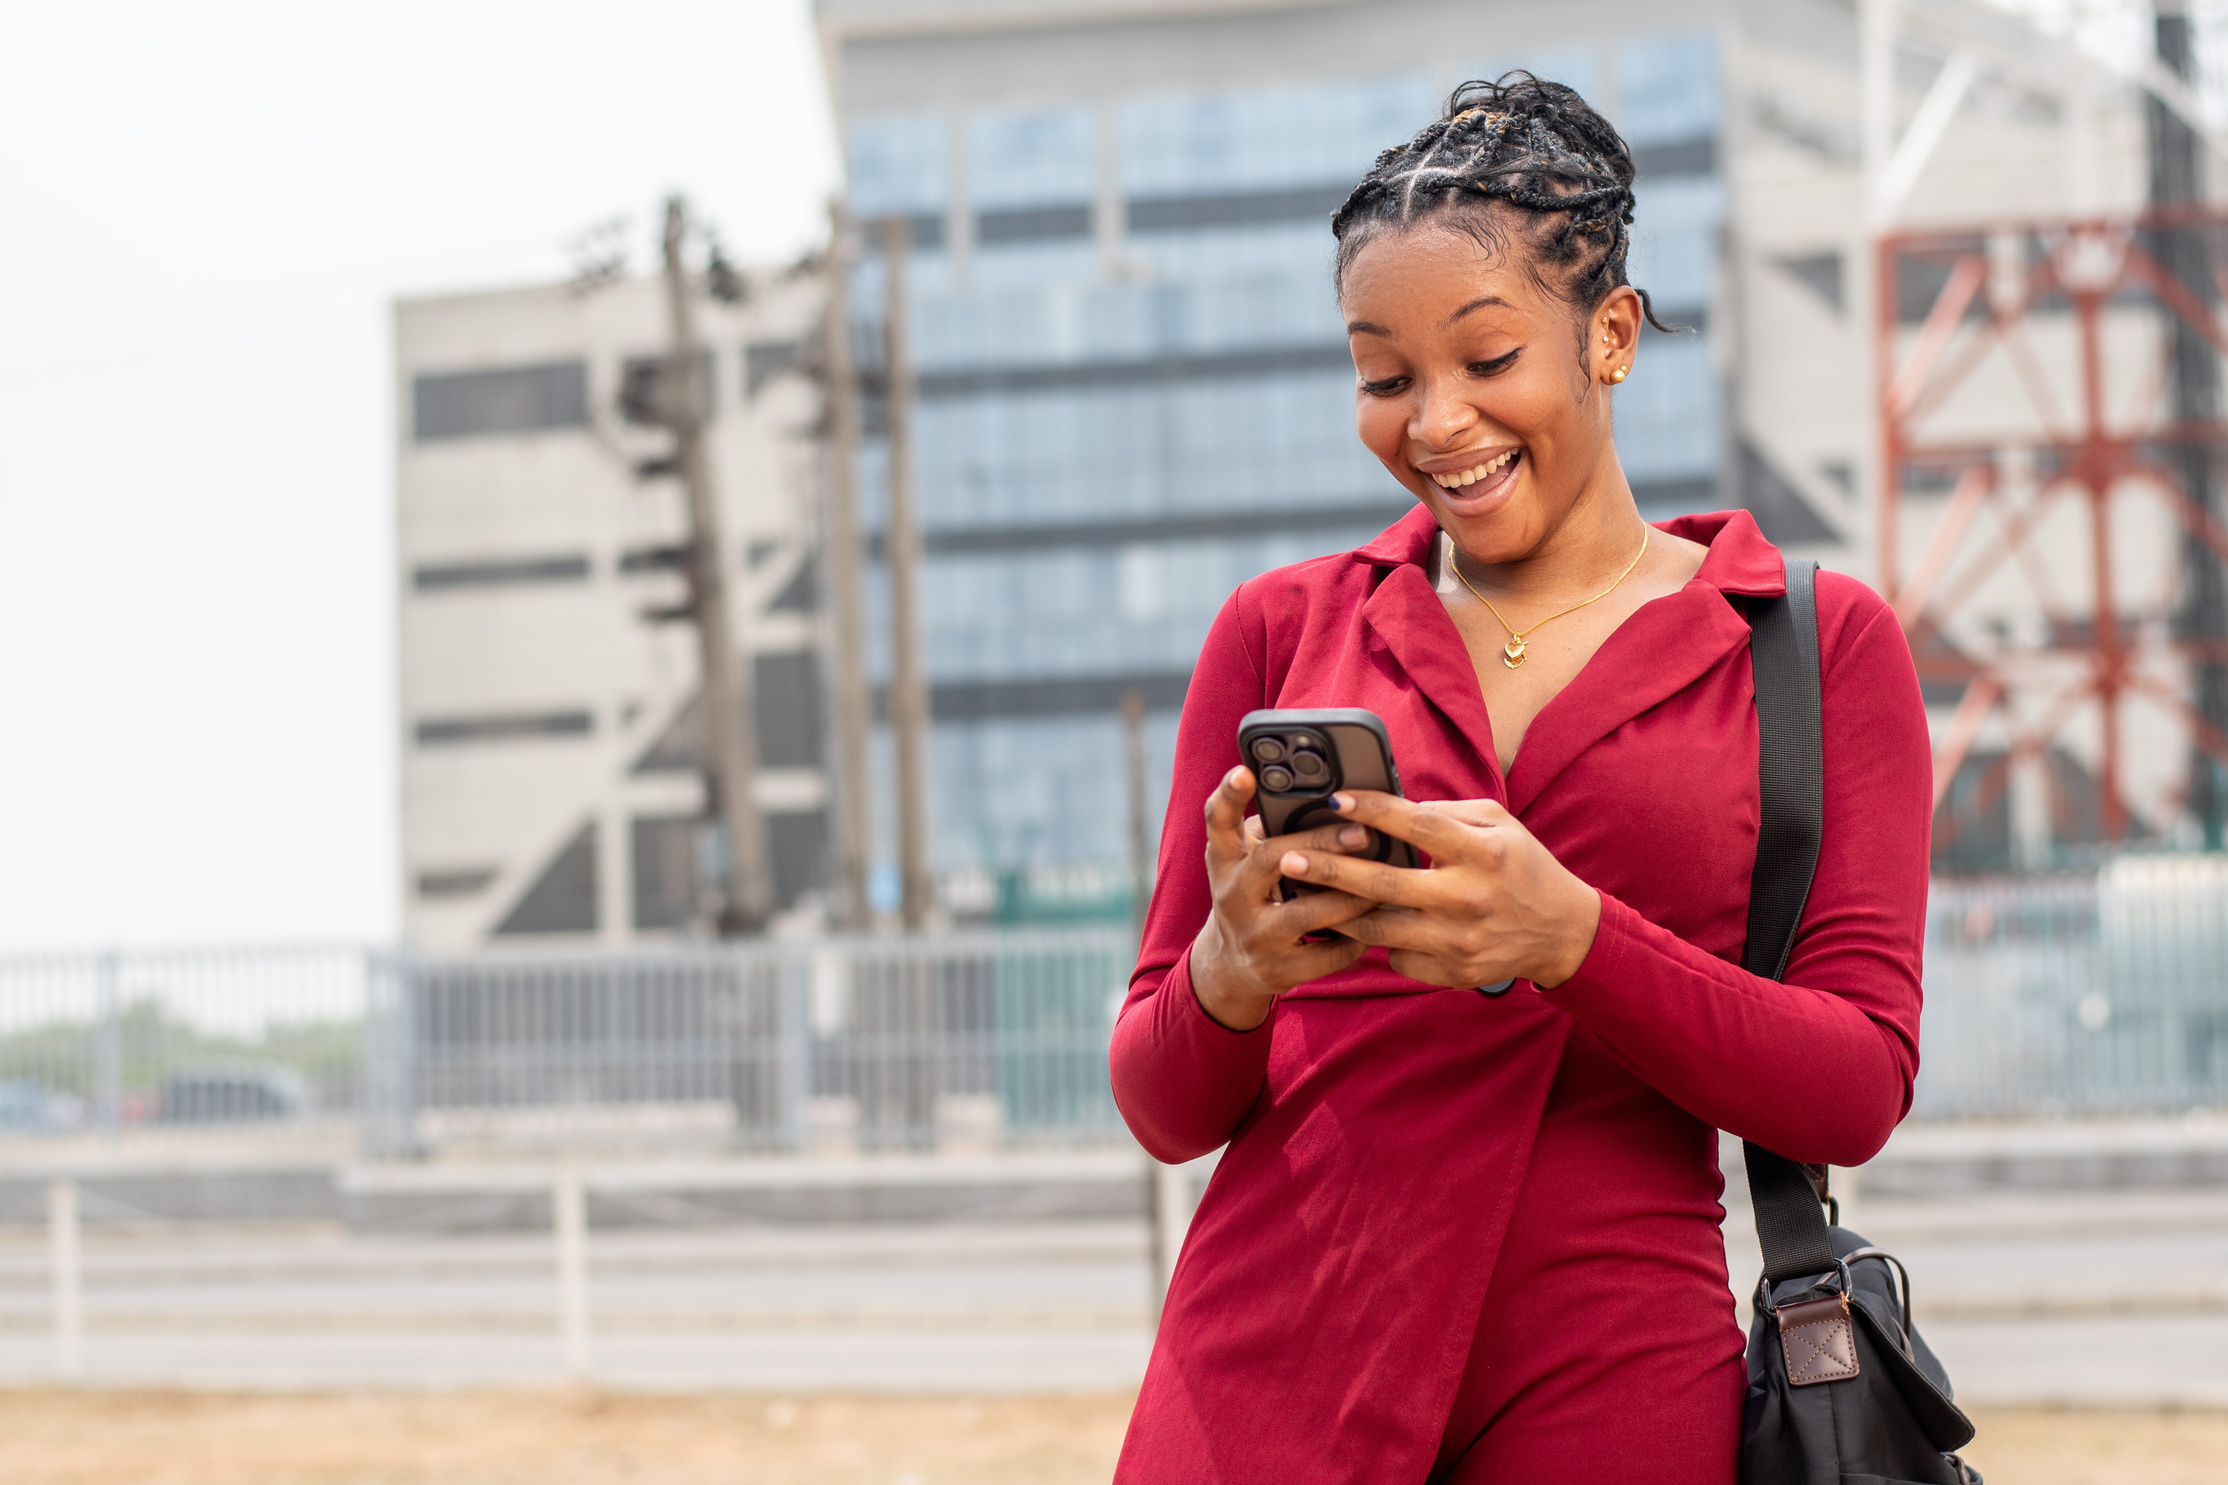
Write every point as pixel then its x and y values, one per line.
pixel 1493 905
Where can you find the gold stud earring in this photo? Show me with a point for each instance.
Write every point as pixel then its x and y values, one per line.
pixel 1618 375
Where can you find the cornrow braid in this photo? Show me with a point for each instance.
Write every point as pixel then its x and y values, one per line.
pixel 1532 144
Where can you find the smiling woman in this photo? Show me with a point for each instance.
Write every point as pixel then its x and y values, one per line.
pixel 1458 1237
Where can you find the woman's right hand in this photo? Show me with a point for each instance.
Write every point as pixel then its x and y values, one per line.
pixel 1251 950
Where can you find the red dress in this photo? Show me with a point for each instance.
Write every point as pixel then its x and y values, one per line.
pixel 1460 1238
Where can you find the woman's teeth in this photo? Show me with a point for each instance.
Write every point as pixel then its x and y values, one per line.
pixel 1472 476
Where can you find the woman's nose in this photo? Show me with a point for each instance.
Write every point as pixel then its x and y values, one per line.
pixel 1442 416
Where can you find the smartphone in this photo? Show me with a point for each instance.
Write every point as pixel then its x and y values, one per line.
pixel 1301 756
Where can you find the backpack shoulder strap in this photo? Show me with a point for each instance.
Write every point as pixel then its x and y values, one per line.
pixel 1790 771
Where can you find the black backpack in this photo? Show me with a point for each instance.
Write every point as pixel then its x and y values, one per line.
pixel 1841 1390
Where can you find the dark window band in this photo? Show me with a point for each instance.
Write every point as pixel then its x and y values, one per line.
pixel 654 559
pixel 968 541
pixel 1236 209
pixel 462 882
pixel 440 731
pixel 510 399
pixel 498 573
pixel 1679 157
pixel 1032 224
pixel 1048 696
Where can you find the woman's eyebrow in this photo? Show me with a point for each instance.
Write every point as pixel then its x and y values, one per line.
pixel 1366 327
pixel 1475 304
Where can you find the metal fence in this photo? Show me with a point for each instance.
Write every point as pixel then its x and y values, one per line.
pixel 961 1042
pixel 2096 994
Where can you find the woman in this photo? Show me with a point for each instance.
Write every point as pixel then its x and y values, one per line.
pixel 1457 1237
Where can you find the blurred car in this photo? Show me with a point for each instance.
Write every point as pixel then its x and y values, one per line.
pixel 29 1106
pixel 232 1095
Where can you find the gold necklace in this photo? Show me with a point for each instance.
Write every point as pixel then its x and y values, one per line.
pixel 1512 653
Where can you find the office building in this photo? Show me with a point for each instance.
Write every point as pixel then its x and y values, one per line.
pixel 1134 385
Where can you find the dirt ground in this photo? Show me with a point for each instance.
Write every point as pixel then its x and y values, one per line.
pixel 116 1438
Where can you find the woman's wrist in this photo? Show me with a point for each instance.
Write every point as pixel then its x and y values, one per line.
pixel 1228 1001
pixel 1581 923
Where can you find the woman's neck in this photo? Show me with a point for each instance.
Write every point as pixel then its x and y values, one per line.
pixel 1595 539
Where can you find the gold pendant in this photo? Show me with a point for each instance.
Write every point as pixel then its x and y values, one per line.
pixel 1512 653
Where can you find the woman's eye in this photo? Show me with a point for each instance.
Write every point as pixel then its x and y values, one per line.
pixel 1495 366
pixel 1385 388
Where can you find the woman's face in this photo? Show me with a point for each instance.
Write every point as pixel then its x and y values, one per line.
pixel 1481 392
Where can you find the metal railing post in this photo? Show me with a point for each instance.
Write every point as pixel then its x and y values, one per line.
pixel 569 1204
pixel 389 1113
pixel 793 1041
pixel 108 1045
pixel 67 1274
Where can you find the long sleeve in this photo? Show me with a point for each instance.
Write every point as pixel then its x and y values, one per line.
pixel 1183 1081
pixel 1818 1067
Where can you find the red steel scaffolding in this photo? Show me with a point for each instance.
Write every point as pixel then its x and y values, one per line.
pixel 1962 317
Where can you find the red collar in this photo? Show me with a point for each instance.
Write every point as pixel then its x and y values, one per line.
pixel 1740 560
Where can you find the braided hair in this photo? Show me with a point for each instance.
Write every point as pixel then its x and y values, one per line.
pixel 1526 145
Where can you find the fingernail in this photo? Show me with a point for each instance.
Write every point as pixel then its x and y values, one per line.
pixel 1294 861
pixel 1342 802
pixel 1353 835
pixel 1234 774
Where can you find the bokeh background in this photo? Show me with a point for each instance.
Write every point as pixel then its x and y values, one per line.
pixel 443 1037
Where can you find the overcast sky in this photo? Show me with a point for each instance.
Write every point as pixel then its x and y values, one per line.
pixel 205 210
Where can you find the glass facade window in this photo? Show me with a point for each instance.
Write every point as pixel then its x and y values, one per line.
pixel 1675 241
pixel 898 164
pixel 1289 137
pixel 1166 444
pixel 1041 263
pixel 1667 414
pixel 1030 159
pixel 1668 89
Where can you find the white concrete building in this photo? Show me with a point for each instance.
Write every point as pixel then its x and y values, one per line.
pixel 547 783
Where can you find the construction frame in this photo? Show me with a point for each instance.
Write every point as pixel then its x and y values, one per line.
pixel 2001 301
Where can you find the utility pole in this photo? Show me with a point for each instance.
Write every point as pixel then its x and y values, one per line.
pixel 841 559
pixel 908 706
pixel 2177 179
pixel 728 743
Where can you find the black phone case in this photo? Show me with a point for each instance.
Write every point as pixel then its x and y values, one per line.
pixel 1359 755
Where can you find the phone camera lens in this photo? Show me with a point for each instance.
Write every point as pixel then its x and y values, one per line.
pixel 1309 766
pixel 1276 778
pixel 1267 749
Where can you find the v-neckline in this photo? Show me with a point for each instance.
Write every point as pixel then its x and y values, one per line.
pixel 1686 632
pixel 1439 555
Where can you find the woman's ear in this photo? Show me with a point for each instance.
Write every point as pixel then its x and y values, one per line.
pixel 1613 335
